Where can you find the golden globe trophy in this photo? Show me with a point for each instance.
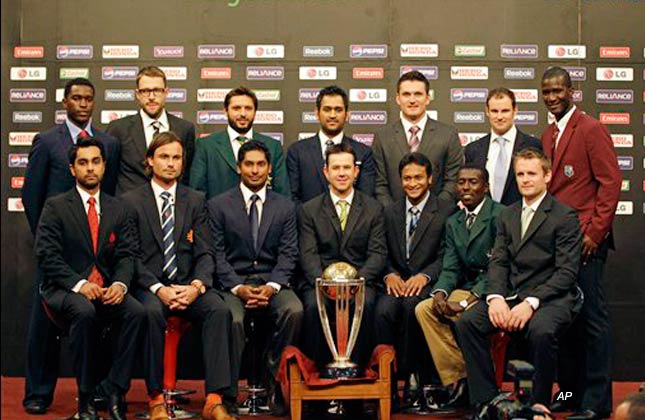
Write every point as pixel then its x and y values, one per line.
pixel 340 285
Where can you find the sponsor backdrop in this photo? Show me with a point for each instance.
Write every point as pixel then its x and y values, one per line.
pixel 288 49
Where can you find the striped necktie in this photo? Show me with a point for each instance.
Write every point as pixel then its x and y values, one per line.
pixel 168 230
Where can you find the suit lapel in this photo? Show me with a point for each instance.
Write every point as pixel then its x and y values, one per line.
pixel 316 153
pixel 268 212
pixel 77 209
pixel 517 146
pixel 105 221
pixel 569 131
pixel 355 211
pixel 239 207
pixel 427 215
pixel 401 138
pixel 149 205
pixel 139 135
pixel 538 218
pixel 481 221
pixel 331 215
pixel 224 148
pixel 181 207
pixel 401 230
pixel 481 155
pixel 426 138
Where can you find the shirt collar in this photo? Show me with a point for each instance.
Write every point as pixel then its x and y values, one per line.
pixel 232 134
pixel 510 135
pixel 75 130
pixel 407 124
pixel 477 209
pixel 562 124
pixel 158 189
pixel 336 139
pixel 147 120
pixel 86 196
pixel 335 199
pixel 247 193
pixel 535 204
pixel 420 206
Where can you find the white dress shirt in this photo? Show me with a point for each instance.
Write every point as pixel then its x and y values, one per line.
pixel 323 140
pixel 407 125
pixel 233 135
pixel 494 149
pixel 562 124
pixel 75 130
pixel 335 199
pixel 149 131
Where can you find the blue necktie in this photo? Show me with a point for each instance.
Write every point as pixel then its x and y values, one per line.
pixel 168 230
pixel 255 220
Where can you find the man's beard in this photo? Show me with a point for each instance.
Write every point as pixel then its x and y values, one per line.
pixel 239 129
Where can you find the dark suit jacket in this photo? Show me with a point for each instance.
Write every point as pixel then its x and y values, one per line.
pixel 131 135
pixel 476 153
pixel 276 258
pixel 64 246
pixel 48 169
pixel 586 175
pixel 192 237
pixel 467 253
pixel 305 166
pixel 440 143
pixel 426 249
pixel 544 264
pixel 322 242
pixel 214 169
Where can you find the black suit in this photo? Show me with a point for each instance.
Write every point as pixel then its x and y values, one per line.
pixel 238 263
pixel 543 264
pixel 476 153
pixel 131 135
pixel 395 322
pixel 305 164
pixel 194 261
pixel 66 256
pixel 47 175
pixel 322 242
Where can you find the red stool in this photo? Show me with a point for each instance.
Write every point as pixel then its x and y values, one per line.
pixel 175 328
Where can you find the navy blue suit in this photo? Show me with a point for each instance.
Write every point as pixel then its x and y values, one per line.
pixel 47 175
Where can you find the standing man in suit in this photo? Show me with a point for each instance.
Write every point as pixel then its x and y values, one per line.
pixel 306 158
pixel 135 132
pixel 469 238
pixel 495 151
pixel 587 178
pixel 414 230
pixel 47 175
pixel 415 132
pixel 176 268
pixel 531 283
pixel 346 225
pixel 256 257
pixel 85 250
pixel 215 169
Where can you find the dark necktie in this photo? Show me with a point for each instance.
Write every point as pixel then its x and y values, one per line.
pixel 254 219
pixel 241 139
pixel 414 221
pixel 93 221
pixel 414 141
pixel 168 231
pixel 156 126
pixel 328 145
pixel 470 220
pixel 554 139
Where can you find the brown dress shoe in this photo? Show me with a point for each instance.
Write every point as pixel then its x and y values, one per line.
pixel 158 412
pixel 216 412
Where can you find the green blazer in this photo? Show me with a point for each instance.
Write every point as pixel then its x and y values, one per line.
pixel 214 168
pixel 466 254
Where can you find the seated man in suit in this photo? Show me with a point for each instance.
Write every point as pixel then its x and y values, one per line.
pixel 256 249
pixel 495 150
pixel 306 158
pixel 215 169
pixel 135 132
pixel 531 283
pixel 414 229
pixel 85 250
pixel 175 268
pixel 469 238
pixel 345 225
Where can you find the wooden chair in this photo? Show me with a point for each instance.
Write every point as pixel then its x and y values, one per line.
pixel 345 390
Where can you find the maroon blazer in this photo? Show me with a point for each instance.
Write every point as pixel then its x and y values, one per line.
pixel 586 176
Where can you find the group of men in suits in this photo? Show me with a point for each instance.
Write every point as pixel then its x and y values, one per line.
pixel 196 256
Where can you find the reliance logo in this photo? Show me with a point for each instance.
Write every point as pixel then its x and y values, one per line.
pixel 577 74
pixel 27 95
pixel 216 51
pixel 518 51
pixel 614 96
pixel 308 94
pixel 264 73
pixel 368 117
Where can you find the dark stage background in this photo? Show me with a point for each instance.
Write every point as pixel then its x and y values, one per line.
pixel 362 28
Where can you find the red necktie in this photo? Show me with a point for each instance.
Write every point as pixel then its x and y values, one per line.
pixel 554 139
pixel 93 221
pixel 83 134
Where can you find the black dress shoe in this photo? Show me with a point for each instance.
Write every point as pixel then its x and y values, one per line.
pixel 35 406
pixel 86 407
pixel 458 395
pixel 115 407
pixel 276 402
pixel 588 415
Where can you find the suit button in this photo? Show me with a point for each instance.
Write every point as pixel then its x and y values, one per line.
pixel 255 263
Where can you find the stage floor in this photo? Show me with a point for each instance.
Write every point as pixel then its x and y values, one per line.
pixel 64 402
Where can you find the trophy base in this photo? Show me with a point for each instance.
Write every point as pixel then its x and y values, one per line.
pixel 348 372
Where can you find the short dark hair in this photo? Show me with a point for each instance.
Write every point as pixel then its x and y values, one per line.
pixel 500 92
pixel 253 145
pixel 533 153
pixel 240 91
pixel 152 71
pixel 557 71
pixel 636 409
pixel 332 91
pixel 159 140
pixel 414 76
pixel 418 159
pixel 84 143
pixel 339 148
pixel 482 170
pixel 79 81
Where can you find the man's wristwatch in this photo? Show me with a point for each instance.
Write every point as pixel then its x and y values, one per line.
pixel 201 289
pixel 463 303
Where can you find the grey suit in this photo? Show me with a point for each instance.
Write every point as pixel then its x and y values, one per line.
pixel 440 143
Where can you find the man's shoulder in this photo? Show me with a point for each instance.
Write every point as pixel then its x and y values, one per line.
pixel 269 141
pixel 124 121
pixel 441 126
pixel 371 204
pixel 477 144
pixel 528 140
pixel 174 120
pixel 212 138
pixel 280 200
pixel 313 206
pixel 53 132
pixel 299 146
pixel 137 194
